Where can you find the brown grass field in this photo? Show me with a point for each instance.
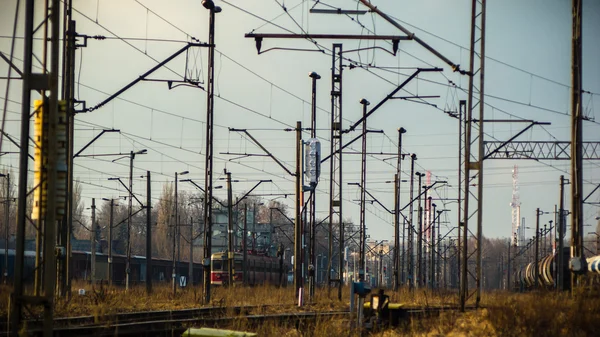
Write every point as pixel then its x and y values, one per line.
pixel 504 313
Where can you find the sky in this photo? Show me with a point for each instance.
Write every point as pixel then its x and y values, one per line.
pixel 527 76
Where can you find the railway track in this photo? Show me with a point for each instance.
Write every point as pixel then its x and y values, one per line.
pixel 144 316
pixel 175 322
pixel 176 326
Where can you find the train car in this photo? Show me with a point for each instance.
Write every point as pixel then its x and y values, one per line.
pixel 525 278
pixel 161 268
pixel 260 269
pixel 81 263
pixel 594 264
pixel 28 267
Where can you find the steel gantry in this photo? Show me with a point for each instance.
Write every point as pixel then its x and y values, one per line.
pixel 335 163
pixel 335 206
pixel 337 131
pixel 47 160
pixel 472 167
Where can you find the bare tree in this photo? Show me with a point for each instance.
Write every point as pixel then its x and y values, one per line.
pixel 9 198
pixel 161 238
pixel 80 224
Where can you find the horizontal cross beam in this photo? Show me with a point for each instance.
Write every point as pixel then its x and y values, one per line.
pixel 327 36
pixel 539 150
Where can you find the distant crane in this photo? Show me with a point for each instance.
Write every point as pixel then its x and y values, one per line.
pixel 518 236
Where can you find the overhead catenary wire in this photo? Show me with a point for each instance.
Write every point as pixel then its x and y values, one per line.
pixel 200 121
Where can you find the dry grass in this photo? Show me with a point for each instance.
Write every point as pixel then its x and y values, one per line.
pixel 505 314
pixel 4 295
pixel 510 314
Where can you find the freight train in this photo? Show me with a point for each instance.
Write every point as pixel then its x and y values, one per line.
pixel 525 276
pixel 260 269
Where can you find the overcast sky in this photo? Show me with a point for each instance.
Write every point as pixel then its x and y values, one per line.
pixel 527 77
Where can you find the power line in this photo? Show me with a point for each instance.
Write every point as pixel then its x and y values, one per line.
pixel 487 57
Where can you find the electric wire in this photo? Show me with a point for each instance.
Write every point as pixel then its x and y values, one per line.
pixel 7 91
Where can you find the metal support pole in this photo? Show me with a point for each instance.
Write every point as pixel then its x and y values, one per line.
pixel 537 247
pixel 191 258
pixel 245 244
pixel 411 227
pixel 16 298
pixel 438 255
pixel 51 217
pixel 363 187
pixel 544 252
pixel 129 211
pixel 70 94
pixel 474 150
pixel 110 243
pixel 480 155
pixel 230 251
pixel 93 244
pixel 6 225
pixel 433 253
pixel 403 257
pixel 208 175
pixel 461 158
pixel 420 273
pixel 335 164
pixel 508 270
pixel 380 271
pixel 396 269
pixel 148 233
pixel 174 232
pixel 178 243
pixel 561 238
pixel 398 180
pixel 578 263
pixel 253 231
pixel 298 217
pixel 313 134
